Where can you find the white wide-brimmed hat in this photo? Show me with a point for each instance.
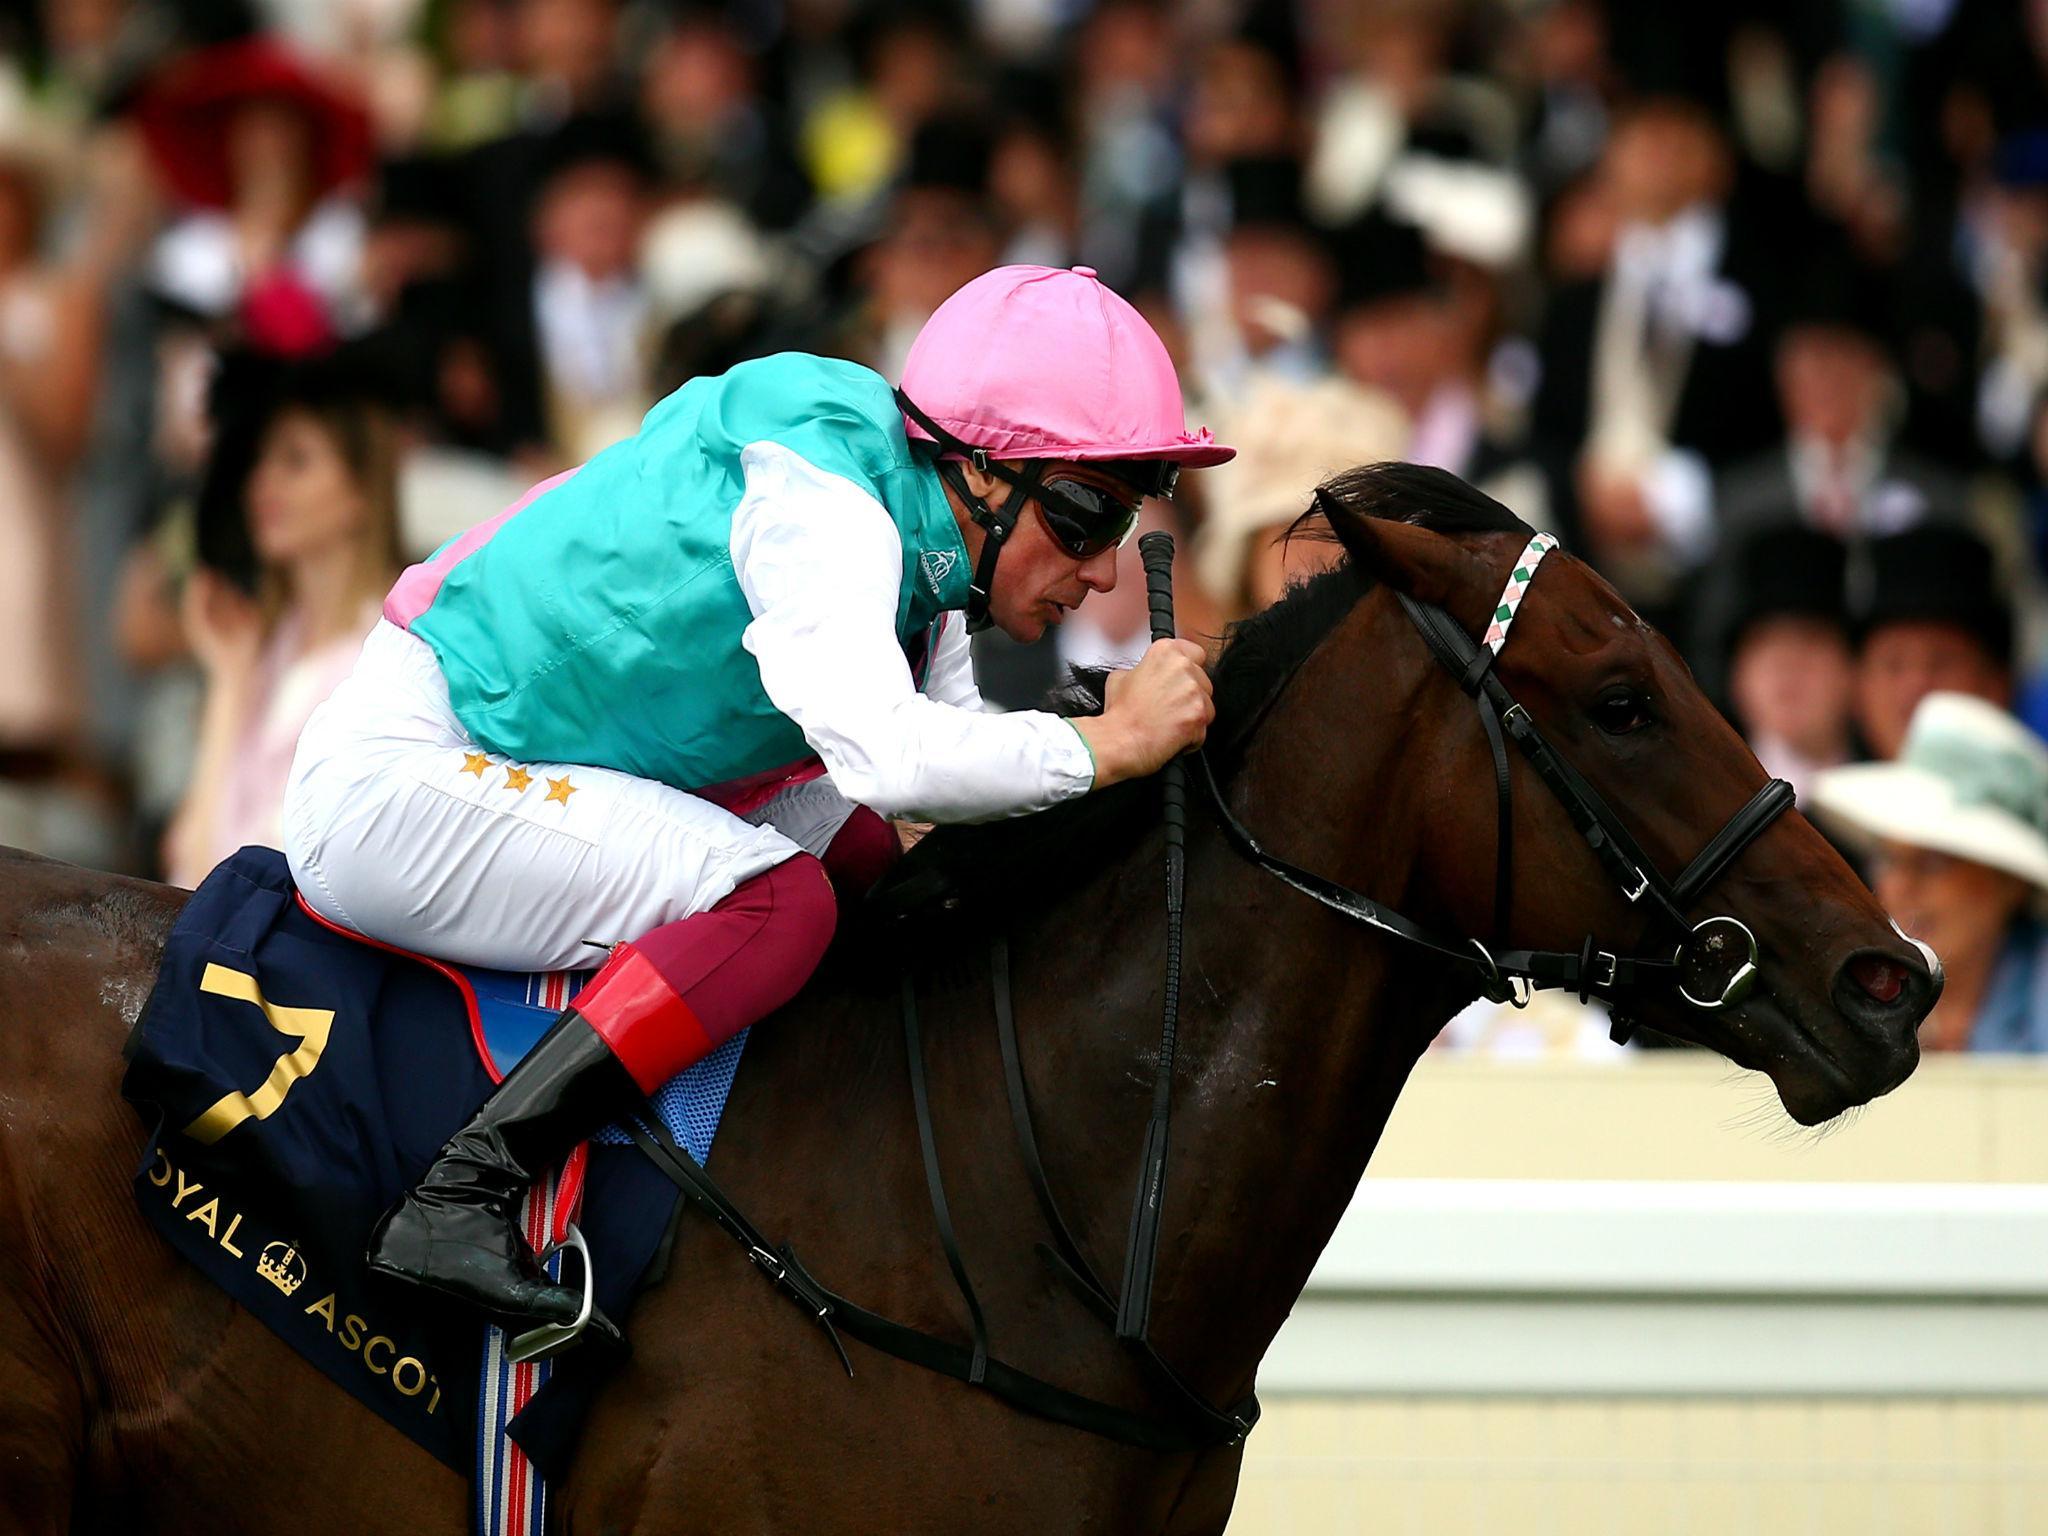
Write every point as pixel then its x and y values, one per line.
pixel 695 251
pixel 1290 437
pixel 1971 781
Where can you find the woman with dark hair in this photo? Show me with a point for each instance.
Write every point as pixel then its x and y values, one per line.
pixel 318 498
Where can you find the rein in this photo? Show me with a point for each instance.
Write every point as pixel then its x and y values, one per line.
pixel 1719 955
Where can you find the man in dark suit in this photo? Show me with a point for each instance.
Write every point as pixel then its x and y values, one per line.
pixel 1839 469
pixel 1656 373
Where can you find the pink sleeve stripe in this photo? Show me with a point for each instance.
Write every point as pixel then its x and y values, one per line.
pixel 416 589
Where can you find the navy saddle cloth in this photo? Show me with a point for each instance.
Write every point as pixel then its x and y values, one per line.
pixel 297 1081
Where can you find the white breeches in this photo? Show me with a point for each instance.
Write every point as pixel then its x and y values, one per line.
pixel 399 826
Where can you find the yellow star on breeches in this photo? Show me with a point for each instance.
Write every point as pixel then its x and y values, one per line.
pixel 517 778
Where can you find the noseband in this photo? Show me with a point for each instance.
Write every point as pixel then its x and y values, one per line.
pixel 1711 964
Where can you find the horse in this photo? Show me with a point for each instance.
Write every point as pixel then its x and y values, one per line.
pixel 140 1399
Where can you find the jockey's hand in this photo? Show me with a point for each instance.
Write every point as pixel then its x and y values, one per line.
pixel 1151 714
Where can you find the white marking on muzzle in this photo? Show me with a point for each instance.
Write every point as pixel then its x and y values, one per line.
pixel 1927 953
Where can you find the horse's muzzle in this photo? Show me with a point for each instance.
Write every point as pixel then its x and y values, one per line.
pixel 1884 994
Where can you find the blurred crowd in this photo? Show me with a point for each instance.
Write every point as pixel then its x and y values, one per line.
pixel 1747 301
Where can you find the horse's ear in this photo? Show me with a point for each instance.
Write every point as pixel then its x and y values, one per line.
pixel 1425 565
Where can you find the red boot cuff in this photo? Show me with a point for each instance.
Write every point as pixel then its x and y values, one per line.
pixel 648 1026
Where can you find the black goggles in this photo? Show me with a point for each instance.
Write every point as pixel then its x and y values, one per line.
pixel 1084 519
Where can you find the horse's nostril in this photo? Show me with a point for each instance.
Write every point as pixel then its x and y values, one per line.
pixel 1881 979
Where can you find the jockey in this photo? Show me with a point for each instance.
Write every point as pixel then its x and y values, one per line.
pixel 670 696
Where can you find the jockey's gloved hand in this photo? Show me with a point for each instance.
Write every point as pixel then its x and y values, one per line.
pixel 1151 714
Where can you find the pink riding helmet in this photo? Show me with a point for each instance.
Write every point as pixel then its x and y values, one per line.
pixel 1049 363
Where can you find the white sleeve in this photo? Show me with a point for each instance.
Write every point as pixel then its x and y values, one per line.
pixel 820 562
pixel 951 678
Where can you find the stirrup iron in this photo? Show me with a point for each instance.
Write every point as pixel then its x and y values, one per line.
pixel 551 1339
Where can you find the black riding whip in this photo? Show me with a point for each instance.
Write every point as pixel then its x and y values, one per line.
pixel 1134 1308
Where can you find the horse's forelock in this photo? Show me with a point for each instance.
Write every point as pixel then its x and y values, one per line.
pixel 1421 494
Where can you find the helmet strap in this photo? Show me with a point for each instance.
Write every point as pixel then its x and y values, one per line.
pixel 996 524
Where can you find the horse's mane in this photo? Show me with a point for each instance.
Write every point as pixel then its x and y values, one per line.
pixel 1014 865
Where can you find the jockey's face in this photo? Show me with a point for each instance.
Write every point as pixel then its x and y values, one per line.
pixel 1037 582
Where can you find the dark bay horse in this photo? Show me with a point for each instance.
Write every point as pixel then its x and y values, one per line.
pixel 136 1398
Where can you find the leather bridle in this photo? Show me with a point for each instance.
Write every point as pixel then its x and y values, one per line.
pixel 1712 964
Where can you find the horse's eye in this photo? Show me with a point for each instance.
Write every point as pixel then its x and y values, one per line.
pixel 1621 710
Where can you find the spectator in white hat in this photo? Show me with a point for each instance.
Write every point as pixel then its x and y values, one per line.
pixel 1292 437
pixel 1959 831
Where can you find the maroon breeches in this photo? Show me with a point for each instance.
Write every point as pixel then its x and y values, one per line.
pixel 674 995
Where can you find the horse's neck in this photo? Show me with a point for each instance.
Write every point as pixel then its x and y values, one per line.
pixel 1297 1031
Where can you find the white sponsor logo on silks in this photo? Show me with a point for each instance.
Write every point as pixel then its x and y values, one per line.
pixel 937 565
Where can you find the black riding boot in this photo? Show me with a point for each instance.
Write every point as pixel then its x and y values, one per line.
pixel 459 1232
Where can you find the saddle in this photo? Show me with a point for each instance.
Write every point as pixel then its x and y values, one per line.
pixel 297 1078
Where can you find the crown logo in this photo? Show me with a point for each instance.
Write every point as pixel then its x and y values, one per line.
pixel 281 1265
